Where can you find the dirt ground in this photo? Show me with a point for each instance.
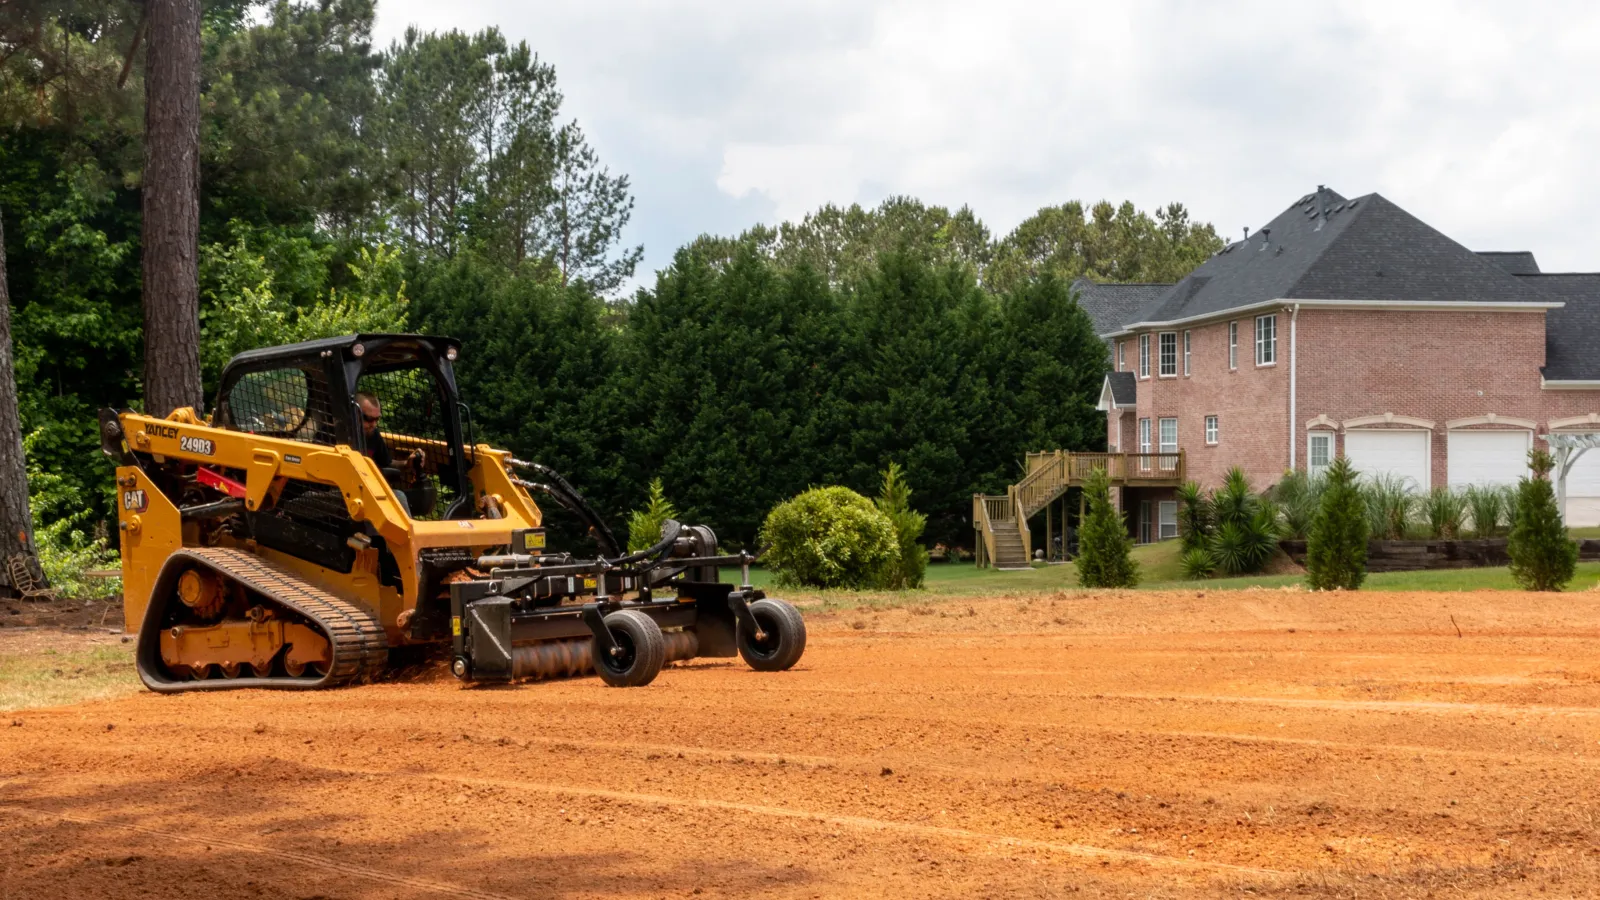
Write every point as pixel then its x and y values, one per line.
pixel 1257 743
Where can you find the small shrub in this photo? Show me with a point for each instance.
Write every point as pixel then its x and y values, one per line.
pixel 1103 542
pixel 1298 495
pixel 1233 503
pixel 1445 509
pixel 1543 558
pixel 64 549
pixel 1336 545
pixel 1487 507
pixel 1391 504
pixel 644 525
pixel 1194 517
pixel 1197 563
pixel 828 537
pixel 910 564
pixel 1240 548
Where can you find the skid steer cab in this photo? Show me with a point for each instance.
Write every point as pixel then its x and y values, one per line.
pixel 335 506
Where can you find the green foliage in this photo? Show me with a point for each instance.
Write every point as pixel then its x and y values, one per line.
pixel 1543 558
pixel 1445 509
pixel 1107 243
pixel 1104 547
pixel 1195 517
pixel 1198 563
pixel 829 537
pixel 644 525
pixel 64 548
pixel 1299 496
pixel 1243 547
pixel 907 568
pixel 1391 505
pixel 1336 547
pixel 1488 508
pixel 1234 503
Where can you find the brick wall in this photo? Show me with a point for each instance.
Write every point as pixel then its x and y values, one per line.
pixel 1251 403
pixel 1437 366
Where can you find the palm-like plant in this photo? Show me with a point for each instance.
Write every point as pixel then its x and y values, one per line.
pixel 1194 517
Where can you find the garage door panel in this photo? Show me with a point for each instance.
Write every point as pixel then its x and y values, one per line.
pixel 1400 453
pixel 1487 457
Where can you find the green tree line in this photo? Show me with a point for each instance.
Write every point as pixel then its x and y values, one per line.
pixel 440 185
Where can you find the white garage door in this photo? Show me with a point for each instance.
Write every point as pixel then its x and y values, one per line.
pixel 1583 491
pixel 1487 457
pixel 1402 453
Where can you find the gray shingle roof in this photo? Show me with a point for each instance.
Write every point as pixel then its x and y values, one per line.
pixel 1517 262
pixel 1111 305
pixel 1325 247
pixel 1124 388
pixel 1571 333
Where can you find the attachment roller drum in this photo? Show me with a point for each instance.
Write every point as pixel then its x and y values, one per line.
pixel 780 640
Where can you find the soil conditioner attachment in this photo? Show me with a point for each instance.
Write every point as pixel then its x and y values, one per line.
pixel 334 508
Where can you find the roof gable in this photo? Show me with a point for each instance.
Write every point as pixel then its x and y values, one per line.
pixel 1328 248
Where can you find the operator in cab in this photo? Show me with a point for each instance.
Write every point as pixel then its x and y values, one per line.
pixel 371 412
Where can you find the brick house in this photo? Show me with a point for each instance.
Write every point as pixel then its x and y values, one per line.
pixel 1350 327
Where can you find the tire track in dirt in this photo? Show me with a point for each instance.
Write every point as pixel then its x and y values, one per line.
pixel 291 856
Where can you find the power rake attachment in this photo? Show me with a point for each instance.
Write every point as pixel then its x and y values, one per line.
pixel 520 619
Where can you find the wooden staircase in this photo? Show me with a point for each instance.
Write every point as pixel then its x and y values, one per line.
pixel 1001 521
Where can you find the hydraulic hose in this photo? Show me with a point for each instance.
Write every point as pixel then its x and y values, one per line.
pixel 569 497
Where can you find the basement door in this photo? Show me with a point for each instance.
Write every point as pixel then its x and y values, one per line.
pixel 1389 452
pixel 1487 457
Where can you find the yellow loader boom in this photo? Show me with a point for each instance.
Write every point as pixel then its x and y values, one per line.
pixel 332 508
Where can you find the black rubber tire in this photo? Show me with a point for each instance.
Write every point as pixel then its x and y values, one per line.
pixel 644 650
pixel 785 637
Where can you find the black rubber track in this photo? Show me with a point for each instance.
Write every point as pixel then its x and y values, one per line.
pixel 360 648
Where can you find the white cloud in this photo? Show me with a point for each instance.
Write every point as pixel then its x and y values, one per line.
pixel 1473 115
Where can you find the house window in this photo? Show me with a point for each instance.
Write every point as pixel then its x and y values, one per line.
pixel 1211 429
pixel 1233 345
pixel 1121 359
pixel 1186 354
pixel 1169 354
pixel 1266 340
pixel 1169 443
pixel 1144 444
pixel 1167 524
pixel 1319 452
pixel 1144 521
pixel 1144 356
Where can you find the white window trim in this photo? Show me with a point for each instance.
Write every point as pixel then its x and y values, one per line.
pixel 1186 348
pixel 1261 343
pixel 1161 361
pixel 1163 447
pixel 1144 444
pixel 1144 356
pixel 1233 345
pixel 1311 439
pixel 1165 508
pixel 1122 357
pixel 1213 430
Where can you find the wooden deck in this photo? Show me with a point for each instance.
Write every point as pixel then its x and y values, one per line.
pixel 1001 520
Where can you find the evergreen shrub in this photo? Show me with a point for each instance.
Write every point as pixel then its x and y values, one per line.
pixel 644 525
pixel 1104 546
pixel 1543 558
pixel 828 537
pixel 909 565
pixel 1336 546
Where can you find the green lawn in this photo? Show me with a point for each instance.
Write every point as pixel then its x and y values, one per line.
pixel 50 677
pixel 1159 569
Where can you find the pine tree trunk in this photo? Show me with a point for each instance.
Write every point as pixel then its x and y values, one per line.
pixel 172 207
pixel 16 525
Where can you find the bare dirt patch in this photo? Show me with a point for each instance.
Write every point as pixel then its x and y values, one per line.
pixel 1268 742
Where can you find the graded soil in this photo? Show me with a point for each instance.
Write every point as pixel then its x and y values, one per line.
pixel 1139 744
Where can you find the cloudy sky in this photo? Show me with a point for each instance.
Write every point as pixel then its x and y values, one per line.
pixel 1480 118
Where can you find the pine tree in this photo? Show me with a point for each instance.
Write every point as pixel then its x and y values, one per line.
pixel 644 526
pixel 1103 541
pixel 1543 558
pixel 1336 546
pixel 908 568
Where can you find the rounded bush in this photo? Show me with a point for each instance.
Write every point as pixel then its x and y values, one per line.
pixel 829 537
